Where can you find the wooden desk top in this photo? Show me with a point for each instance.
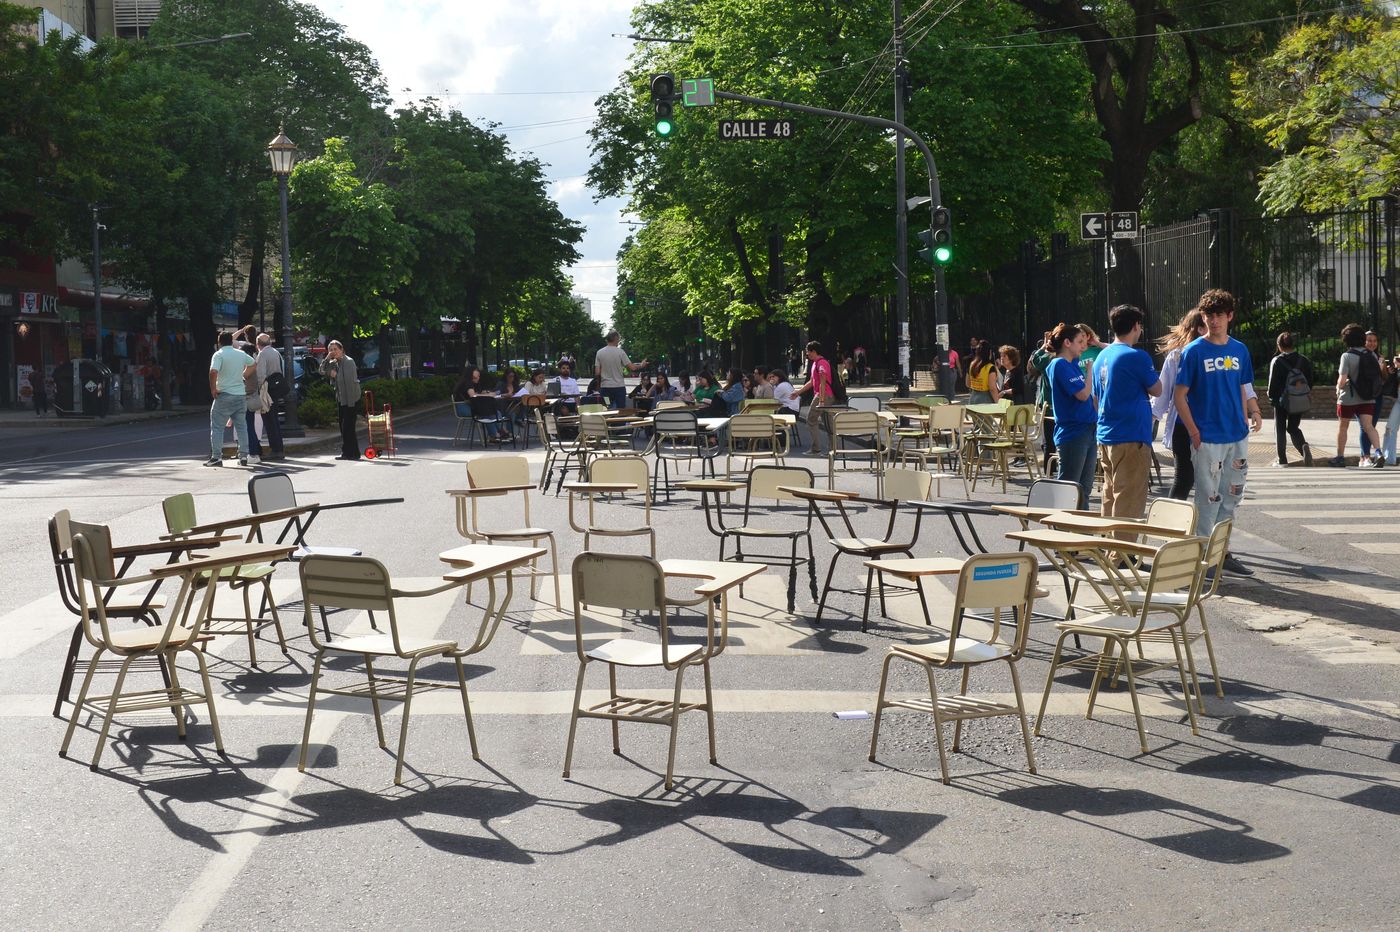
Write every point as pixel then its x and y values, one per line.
pixel 172 546
pixel 721 576
pixel 710 485
pixel 1071 521
pixel 1067 540
pixel 919 566
pixel 477 561
pixel 601 487
pixel 819 495
pixel 226 555
pixel 492 489
pixel 1029 512
pixel 250 520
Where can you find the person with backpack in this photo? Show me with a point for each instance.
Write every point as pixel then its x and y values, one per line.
pixel 823 388
pixel 1290 392
pixel 1358 387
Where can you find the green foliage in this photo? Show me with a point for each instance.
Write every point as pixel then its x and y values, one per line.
pixel 1317 333
pixel 318 412
pixel 319 408
pixel 1328 101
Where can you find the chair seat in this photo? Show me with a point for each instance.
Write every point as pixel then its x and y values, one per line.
pixel 1109 623
pixel 133 606
pixel 747 531
pixel 244 573
pixel 1173 599
pixel 382 645
pixel 138 639
pixel 965 650
pixel 620 531
pixel 629 653
pixel 866 545
pixel 524 533
pixel 304 551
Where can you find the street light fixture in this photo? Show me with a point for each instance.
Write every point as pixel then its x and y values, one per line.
pixel 282 154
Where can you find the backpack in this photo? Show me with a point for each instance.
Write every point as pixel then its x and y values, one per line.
pixel 838 388
pixel 276 384
pixel 1366 384
pixel 1297 393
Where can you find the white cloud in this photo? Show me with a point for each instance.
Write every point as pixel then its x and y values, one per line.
pixel 496 49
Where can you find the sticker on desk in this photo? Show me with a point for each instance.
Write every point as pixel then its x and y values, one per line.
pixel 1000 571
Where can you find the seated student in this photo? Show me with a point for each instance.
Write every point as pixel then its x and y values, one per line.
pixel 705 388
pixel 728 402
pixel 761 386
pixel 783 392
pixel 643 389
pixel 468 388
pixel 568 390
pixel 663 390
pixel 684 391
pixel 592 395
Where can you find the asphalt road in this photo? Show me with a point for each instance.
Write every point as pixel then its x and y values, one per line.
pixel 1282 811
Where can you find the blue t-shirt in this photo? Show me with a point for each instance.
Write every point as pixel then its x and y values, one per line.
pixel 1072 416
pixel 1122 376
pixel 229 363
pixel 1213 374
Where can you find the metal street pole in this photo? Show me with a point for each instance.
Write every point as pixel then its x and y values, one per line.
pixel 935 192
pixel 901 219
pixel 96 284
pixel 290 427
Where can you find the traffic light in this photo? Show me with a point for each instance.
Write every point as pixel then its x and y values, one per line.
pixel 631 297
pixel 663 93
pixel 938 238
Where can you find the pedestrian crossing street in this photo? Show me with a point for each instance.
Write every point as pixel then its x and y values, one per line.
pixel 1362 505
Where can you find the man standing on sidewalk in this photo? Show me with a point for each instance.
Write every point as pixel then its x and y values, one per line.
pixel 1124 380
pixel 227 368
pixel 341 369
pixel 1211 400
pixel 270 363
pixel 612 366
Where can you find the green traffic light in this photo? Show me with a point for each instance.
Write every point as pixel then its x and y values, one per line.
pixel 663 127
pixel 943 254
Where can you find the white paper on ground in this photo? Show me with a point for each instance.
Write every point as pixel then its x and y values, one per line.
pixel 853 715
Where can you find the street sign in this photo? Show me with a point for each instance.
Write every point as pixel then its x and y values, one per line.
pixel 941 335
pixel 756 129
pixel 698 92
pixel 1093 226
pixel 1124 224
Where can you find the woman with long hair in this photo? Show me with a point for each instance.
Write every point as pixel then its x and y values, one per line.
pixel 980 373
pixel 1071 396
pixel 1011 378
pixel 1174 435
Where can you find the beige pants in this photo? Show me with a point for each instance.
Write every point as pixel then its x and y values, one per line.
pixel 816 422
pixel 1125 474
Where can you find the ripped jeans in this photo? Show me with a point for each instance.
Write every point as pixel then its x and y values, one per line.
pixel 1221 470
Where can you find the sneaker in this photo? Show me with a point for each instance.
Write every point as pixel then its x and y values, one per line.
pixel 1234 567
pixel 214 461
pixel 254 459
pixel 1279 463
pixel 1307 455
pixel 1378 462
pixel 1339 461
pixel 243 461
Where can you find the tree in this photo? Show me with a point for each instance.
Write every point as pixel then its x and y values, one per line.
pixel 1328 100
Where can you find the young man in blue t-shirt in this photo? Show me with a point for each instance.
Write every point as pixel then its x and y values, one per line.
pixel 1124 380
pixel 1211 401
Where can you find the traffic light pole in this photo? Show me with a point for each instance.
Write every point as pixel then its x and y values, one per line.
pixel 901 216
pixel 935 193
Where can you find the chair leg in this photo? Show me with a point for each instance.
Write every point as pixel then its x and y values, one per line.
pixel 710 710
pixel 403 726
pixel 1185 688
pixel 1049 681
pixel 957 726
pixel 310 710
pixel 374 701
pixel 573 717
pixel 792 579
pixel 1021 715
pixel 554 566
pixel 111 710
pixel 880 703
pixel 70 662
pixel 276 618
pixel 1137 712
pixel 675 729
pixel 811 566
pixel 168 660
pixel 821 602
pixel 937 723
pixel 1106 658
pixel 252 628
pixel 1210 654
pixel 923 600
pixel 865 610
pixel 612 694
pixel 78 704
pixel 467 708
pixel 208 698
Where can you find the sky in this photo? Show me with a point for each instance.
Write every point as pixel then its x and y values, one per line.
pixel 491 59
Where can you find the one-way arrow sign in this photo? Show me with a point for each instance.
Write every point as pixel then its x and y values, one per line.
pixel 1093 226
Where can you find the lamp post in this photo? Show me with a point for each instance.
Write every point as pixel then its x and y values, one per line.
pixel 282 153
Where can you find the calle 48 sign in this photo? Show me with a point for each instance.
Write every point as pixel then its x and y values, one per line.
pixel 756 129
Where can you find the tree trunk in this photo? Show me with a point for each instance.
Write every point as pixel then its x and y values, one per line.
pixel 201 306
pixel 253 298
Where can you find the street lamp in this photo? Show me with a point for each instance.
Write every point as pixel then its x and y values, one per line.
pixel 282 154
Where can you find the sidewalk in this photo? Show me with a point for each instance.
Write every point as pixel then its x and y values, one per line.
pixel 24 418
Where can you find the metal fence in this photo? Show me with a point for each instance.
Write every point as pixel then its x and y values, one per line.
pixel 1307 273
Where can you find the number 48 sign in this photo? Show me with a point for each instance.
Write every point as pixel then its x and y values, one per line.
pixel 1124 224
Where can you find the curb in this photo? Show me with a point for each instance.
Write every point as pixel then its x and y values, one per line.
pixel 324 438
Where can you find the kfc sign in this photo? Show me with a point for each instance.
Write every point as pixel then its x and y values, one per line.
pixel 35 302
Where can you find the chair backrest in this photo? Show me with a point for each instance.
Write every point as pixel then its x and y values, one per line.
pixel 271 491
pixel 765 482
pixel 1172 513
pixel 534 401
pixel 902 485
pixel 618 580
pixel 945 418
pixel 904 406
pixel 629 469
pixel 462 409
pixel 92 566
pixel 997 583
pixel 1019 417
pixel 855 424
pixel 593 427
pixel 1060 494
pixel 675 423
pixel 931 401
pixel 179 513
pixel 592 409
pixel 752 427
pixel 1217 545
pixel 487 472
pixel 758 405
pixel 863 403
pixel 484 407
pixel 1175 566
pixel 348 583
pixel 666 405
pixel 61 546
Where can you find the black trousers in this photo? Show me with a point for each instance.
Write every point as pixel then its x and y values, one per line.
pixel 1287 424
pixel 1185 479
pixel 349 445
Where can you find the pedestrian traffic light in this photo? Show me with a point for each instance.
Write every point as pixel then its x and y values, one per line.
pixel 631 297
pixel 938 238
pixel 663 93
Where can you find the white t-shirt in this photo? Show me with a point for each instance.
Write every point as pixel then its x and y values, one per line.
pixel 612 365
pixel 783 394
pixel 229 363
pixel 568 387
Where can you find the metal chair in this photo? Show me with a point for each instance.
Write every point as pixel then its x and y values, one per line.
pixel 364 583
pixel 486 412
pixel 755 437
pixel 495 477
pixel 559 452
pixel 676 436
pixel 767 484
pixel 628 471
pixel 1000 583
pixel 861 428
pixel 465 421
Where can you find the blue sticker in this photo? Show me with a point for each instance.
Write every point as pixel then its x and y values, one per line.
pixel 1001 571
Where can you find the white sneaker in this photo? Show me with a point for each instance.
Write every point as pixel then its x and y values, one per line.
pixel 254 460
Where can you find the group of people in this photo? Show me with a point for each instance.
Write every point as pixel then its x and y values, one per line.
pixel 246 380
pixel 1104 407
